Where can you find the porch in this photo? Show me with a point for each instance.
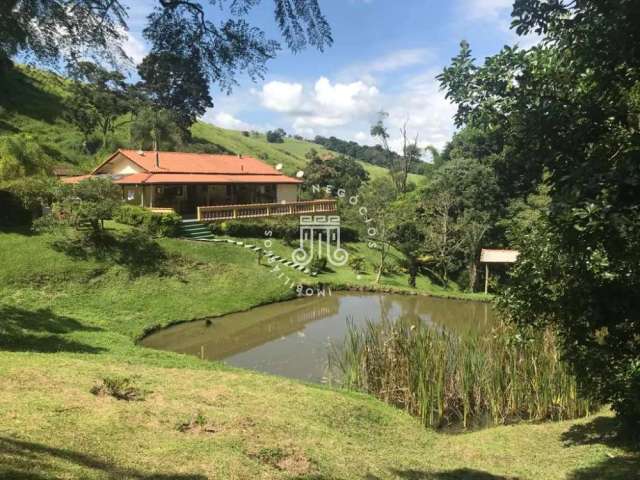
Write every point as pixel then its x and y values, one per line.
pixel 186 198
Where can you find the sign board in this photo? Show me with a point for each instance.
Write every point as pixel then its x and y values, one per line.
pixel 498 256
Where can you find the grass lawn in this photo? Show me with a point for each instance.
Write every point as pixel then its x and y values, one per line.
pixel 346 277
pixel 66 323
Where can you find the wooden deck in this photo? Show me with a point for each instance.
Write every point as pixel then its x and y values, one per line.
pixel 230 212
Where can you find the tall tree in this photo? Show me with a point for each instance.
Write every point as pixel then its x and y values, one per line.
pixel 568 111
pixel 338 172
pixel 103 95
pixel 399 165
pixel 49 29
pixel 178 84
pixel 377 200
pixel 153 129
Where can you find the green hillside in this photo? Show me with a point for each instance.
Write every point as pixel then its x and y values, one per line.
pixel 32 102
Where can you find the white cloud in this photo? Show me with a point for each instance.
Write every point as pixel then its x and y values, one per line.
pixel 362 137
pixel 282 96
pixel 490 10
pixel 226 120
pixel 344 99
pixel 134 47
pixel 347 110
pixel 399 59
pixel 326 105
pixel 427 112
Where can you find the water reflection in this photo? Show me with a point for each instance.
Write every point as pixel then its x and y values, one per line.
pixel 291 338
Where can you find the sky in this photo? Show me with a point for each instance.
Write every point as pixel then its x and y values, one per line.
pixel 385 56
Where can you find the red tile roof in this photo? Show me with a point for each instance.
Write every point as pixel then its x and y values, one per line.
pixel 178 167
pixel 180 162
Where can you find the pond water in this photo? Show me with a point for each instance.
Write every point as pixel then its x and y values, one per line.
pixel 292 338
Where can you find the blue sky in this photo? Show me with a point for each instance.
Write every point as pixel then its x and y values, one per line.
pixel 385 56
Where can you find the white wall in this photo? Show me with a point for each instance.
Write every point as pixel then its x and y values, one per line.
pixel 120 165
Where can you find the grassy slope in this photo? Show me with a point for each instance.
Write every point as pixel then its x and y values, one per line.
pixel 291 153
pixel 33 102
pixel 67 323
pixel 346 277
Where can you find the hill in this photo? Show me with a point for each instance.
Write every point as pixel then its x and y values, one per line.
pixel 32 102
pixel 67 323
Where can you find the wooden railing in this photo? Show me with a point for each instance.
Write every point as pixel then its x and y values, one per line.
pixel 162 210
pixel 230 212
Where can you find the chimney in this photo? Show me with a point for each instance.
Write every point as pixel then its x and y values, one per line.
pixel 157 159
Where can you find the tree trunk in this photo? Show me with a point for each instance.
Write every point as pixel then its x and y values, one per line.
pixel 473 275
pixel 413 272
pixel 383 256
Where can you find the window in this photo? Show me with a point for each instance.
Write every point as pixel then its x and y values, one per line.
pixel 169 190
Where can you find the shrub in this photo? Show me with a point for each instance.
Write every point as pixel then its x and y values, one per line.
pixel 286 228
pixel 318 264
pixel 23 199
pixel 357 264
pixel 121 388
pixel 156 224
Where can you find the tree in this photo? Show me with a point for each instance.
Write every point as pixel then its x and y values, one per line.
pixel 103 95
pixel 409 240
pixel 477 205
pixel 155 130
pixel 276 136
pixel 178 84
pixel 377 199
pixel 341 173
pixel 442 239
pixel 399 165
pixel 48 30
pixel 51 29
pixel 188 50
pixel 568 112
pixel 473 229
pixel 91 202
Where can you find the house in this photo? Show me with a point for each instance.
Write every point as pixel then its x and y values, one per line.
pixel 186 182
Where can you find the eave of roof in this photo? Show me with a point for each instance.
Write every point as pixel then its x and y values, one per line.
pixel 186 178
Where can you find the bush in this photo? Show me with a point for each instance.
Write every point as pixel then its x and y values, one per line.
pixel 286 228
pixel 357 264
pixel 318 264
pixel 156 224
pixel 23 199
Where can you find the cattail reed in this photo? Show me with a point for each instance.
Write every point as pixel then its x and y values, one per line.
pixel 466 381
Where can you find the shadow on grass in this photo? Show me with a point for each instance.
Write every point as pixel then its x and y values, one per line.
pixel 457 474
pixel 39 331
pixel 604 431
pixel 133 250
pixel 21 460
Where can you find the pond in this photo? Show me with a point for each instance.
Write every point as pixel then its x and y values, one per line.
pixel 292 338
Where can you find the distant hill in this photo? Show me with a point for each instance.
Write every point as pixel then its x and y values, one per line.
pixel 32 101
